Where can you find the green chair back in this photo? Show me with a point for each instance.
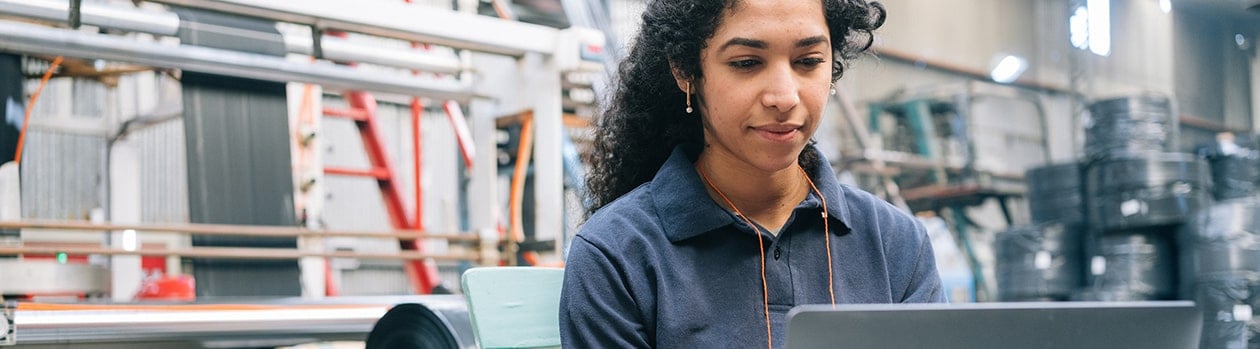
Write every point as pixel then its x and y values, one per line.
pixel 514 307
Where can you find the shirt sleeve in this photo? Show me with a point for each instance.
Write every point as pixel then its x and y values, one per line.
pixel 925 282
pixel 596 309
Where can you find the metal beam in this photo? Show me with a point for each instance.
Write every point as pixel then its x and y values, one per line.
pixel 34 39
pixel 398 20
pixel 100 15
pixel 345 50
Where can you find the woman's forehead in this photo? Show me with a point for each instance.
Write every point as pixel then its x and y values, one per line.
pixel 772 21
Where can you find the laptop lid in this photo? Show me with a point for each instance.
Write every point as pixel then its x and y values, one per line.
pixel 1150 325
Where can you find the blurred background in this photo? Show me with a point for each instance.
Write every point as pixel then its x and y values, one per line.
pixel 304 155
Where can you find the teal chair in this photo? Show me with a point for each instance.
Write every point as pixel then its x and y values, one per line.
pixel 514 307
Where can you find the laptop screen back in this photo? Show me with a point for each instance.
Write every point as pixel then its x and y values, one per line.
pixel 1151 325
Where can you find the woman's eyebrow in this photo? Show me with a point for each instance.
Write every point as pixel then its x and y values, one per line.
pixel 753 43
pixel 761 45
pixel 811 41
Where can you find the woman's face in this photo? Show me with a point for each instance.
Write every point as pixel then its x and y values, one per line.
pixel 767 72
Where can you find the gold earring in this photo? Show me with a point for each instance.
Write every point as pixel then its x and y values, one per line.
pixel 689 110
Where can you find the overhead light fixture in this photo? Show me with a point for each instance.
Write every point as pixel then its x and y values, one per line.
pixel 1008 69
pixel 1099 27
pixel 1089 27
pixel 1165 5
pixel 1078 28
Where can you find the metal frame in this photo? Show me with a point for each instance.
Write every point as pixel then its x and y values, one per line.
pixel 399 21
pixel 39 40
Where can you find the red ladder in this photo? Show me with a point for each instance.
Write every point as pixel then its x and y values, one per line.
pixel 422 274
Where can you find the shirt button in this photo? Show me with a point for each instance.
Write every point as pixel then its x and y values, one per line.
pixel 776 252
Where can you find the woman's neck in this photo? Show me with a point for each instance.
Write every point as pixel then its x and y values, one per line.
pixel 766 197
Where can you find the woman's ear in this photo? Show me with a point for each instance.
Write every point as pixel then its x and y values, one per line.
pixel 680 78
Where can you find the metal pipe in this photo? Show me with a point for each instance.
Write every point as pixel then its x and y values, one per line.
pixel 34 39
pixel 167 23
pixel 95 14
pixel 221 325
pixel 398 20
pixel 238 230
pixel 237 253
pixel 345 50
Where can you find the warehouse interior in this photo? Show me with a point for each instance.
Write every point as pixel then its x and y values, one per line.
pixel 305 174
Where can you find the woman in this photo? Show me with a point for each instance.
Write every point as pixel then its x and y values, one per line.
pixel 714 215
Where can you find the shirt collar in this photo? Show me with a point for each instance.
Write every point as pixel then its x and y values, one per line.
pixel 686 210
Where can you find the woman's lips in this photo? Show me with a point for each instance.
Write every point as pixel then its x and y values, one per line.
pixel 778 133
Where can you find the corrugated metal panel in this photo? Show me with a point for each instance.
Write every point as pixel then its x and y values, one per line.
pixel 164 172
pixel 62 175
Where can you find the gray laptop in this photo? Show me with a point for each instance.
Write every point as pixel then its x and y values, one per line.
pixel 1147 325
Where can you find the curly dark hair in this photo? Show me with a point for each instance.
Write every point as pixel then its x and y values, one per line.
pixel 644 119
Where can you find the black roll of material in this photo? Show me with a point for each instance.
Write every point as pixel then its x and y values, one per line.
pixel 422 326
pixel 1128 126
pixel 1226 314
pixel 1055 194
pixel 1092 295
pixel 1220 267
pixel 1038 262
pixel 1135 265
pixel 1222 241
pixel 1253 327
pixel 1235 166
pixel 1141 192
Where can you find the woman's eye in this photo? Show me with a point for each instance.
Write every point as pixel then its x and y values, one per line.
pixel 812 61
pixel 744 64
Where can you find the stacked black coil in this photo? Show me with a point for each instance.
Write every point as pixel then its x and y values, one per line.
pixel 1235 165
pixel 1128 126
pixel 1139 192
pixel 1220 270
pixel 1055 194
pixel 1135 265
pixel 1038 262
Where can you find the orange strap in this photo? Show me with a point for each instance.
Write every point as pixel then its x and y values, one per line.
pixel 26 121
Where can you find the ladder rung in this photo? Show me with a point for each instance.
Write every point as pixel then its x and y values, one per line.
pixel 378 173
pixel 354 114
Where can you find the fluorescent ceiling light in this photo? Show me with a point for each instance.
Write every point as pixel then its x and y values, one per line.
pixel 1078 28
pixel 1099 26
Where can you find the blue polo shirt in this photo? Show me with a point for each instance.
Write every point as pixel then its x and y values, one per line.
pixel 664 266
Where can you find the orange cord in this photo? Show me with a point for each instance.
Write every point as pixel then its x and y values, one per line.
pixel 831 289
pixel 524 153
pixel 26 121
pixel 765 293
